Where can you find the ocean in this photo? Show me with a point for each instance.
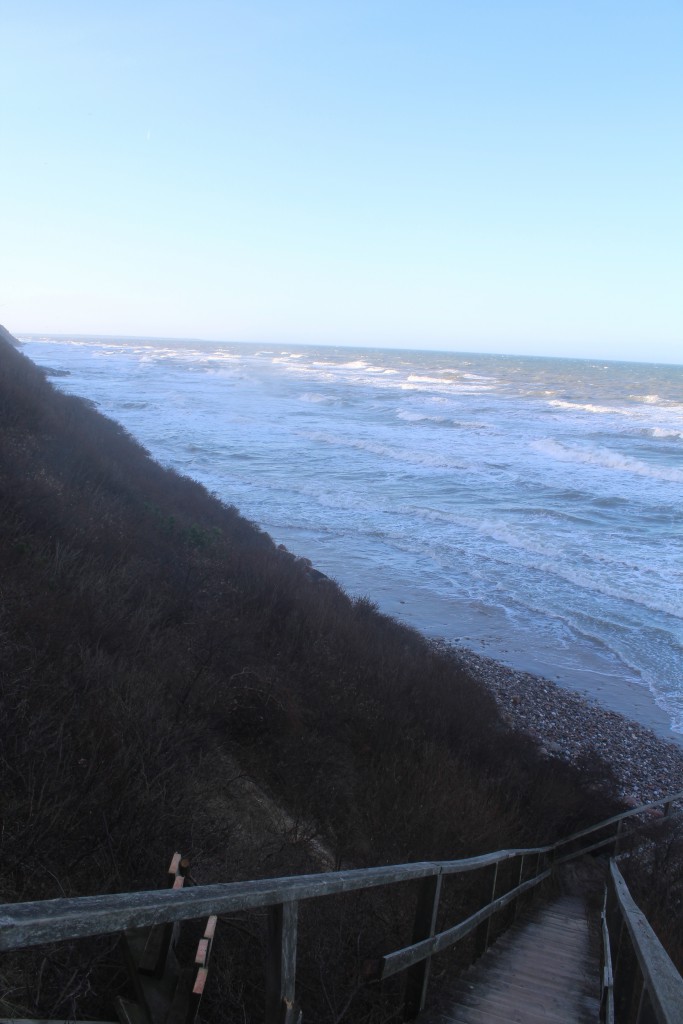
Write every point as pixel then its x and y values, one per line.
pixel 527 508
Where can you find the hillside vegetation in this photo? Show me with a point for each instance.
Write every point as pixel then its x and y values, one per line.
pixel 171 679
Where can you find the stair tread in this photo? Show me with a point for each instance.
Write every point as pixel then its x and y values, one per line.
pixel 541 972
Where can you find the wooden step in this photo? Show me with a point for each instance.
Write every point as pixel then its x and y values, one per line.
pixel 542 971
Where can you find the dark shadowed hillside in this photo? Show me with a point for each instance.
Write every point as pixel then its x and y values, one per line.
pixel 173 680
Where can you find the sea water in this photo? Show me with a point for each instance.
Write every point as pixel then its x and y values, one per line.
pixel 528 508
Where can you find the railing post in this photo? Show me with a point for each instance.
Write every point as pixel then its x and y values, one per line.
pixel 520 879
pixel 482 933
pixel 424 928
pixel 606 975
pixel 617 838
pixel 281 964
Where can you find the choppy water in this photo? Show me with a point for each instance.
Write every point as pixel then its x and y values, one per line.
pixel 529 507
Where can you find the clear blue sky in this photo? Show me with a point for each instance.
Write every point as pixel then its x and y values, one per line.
pixel 481 175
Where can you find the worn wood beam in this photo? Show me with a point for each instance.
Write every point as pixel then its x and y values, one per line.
pixel 402 958
pixel 281 963
pixel 665 802
pixel 32 924
pixel 663 983
pixel 424 927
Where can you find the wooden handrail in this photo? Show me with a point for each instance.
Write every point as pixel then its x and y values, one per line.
pixel 662 985
pixel 403 958
pixel 607 970
pixel 665 801
pixel 32 924
pixel 24 925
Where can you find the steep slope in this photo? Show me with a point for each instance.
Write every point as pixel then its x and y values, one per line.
pixel 167 672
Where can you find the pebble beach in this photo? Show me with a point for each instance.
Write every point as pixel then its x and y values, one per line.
pixel 570 727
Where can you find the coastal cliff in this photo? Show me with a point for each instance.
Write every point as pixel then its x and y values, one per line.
pixel 173 679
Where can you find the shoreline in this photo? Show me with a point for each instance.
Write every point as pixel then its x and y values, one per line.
pixel 594 680
pixel 572 716
pixel 571 727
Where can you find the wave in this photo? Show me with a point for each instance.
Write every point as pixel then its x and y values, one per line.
pixel 603 410
pixel 317 399
pixel 605 459
pixel 419 417
pixel 665 411
pixel 352 371
pixel 466 383
pixel 406 456
pixel 418 378
pixel 544 558
pixel 664 434
pixel 462 389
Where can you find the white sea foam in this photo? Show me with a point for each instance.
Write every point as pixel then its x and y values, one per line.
pixel 419 417
pixel 317 399
pixel 661 432
pixel 416 378
pixel 412 417
pixel 606 459
pixel 545 494
pixel 397 454
pixel 603 410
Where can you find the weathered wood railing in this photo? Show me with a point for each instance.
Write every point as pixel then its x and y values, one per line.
pixel 643 987
pixel 31 924
pixel 614 827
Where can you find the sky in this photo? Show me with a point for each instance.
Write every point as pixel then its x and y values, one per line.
pixel 490 175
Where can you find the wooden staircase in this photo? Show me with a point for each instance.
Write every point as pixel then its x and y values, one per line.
pixel 544 970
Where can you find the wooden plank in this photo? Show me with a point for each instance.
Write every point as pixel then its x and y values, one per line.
pixel 663 982
pixel 200 982
pixel 540 974
pixel 424 927
pixel 481 939
pixel 607 987
pixel 174 867
pixel 31 924
pixel 671 798
pixel 205 943
pixel 455 867
pixel 281 962
pixel 153 958
pixel 402 958
pixel 23 925
pixel 536 975
pixel 509 1002
pixel 202 954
